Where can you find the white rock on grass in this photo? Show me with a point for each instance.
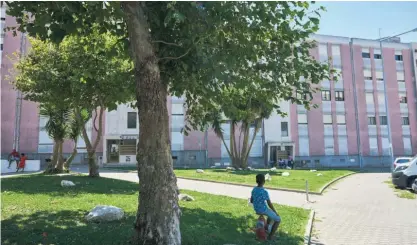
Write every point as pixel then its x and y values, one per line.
pixel 185 197
pixel 240 169
pixel 250 169
pixel 288 168
pixel 103 213
pixel 230 168
pixel 273 169
pixel 67 183
pixel 268 177
pixel 319 174
pixel 200 171
pixel 285 174
pixel 313 170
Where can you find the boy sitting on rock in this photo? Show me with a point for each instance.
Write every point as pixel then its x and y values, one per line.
pixel 259 199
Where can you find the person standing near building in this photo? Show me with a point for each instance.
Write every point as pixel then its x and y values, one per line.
pixel 14 156
pixel 22 163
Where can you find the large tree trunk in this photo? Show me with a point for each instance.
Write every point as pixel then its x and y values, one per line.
pixel 60 164
pixel 157 219
pixel 92 164
pixel 55 156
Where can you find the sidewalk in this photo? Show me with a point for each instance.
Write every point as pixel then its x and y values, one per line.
pixel 243 192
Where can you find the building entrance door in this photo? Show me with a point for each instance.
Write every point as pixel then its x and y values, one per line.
pixel 113 151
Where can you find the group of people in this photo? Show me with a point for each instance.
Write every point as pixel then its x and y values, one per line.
pixel 20 160
pixel 284 163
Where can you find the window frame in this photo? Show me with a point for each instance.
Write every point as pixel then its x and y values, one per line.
pixel 373 122
pixel 324 93
pixel 282 131
pixel 136 120
pixel 337 95
pixel 405 119
pixel 399 56
pixel 403 99
pixel 379 55
pixel 366 54
pixel 383 120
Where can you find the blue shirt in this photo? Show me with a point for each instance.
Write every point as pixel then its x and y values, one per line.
pixel 259 198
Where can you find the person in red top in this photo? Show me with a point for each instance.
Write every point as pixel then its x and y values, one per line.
pixel 22 163
pixel 14 156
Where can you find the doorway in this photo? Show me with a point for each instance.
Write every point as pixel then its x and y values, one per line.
pixel 113 151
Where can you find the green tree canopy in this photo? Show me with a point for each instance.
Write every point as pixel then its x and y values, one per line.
pixel 79 74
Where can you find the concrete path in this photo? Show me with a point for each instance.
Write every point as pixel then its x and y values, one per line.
pixel 361 209
pixel 280 197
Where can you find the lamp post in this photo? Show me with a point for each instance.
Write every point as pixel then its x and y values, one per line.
pixel 391 150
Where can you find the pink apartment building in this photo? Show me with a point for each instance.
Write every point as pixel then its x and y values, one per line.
pixel 348 129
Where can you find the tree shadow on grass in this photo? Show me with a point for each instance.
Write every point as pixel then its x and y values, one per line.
pixel 198 227
pixel 51 185
pixel 247 172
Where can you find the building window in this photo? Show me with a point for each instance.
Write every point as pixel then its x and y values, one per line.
pixel 327 119
pixel 341 119
pixel 302 118
pixel 367 74
pixel 383 120
pixel 340 96
pixel 284 129
pixel 405 121
pixel 377 56
pixel 399 57
pixel 371 121
pixel 325 95
pixel 366 55
pixel 403 98
pixel 131 119
pixel 379 76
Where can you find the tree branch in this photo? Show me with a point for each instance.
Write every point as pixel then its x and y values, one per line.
pixel 94 120
pixel 167 43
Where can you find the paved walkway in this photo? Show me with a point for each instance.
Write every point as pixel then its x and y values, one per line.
pixel 280 197
pixel 361 209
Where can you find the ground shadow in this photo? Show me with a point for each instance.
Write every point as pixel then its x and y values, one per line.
pixel 51 185
pixel 68 227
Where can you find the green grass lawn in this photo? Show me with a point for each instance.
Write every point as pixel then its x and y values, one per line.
pixel 402 193
pixel 34 204
pixel 296 180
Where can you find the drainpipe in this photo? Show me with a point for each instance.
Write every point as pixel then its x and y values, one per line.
pixel 18 108
pixel 355 100
pixel 206 143
pixel 414 63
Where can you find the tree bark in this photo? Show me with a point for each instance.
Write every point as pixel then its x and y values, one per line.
pixel 71 158
pixel 91 148
pixel 60 164
pixel 55 156
pixel 158 216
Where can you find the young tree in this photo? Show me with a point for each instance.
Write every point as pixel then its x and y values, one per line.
pixel 187 48
pixel 57 129
pixel 80 74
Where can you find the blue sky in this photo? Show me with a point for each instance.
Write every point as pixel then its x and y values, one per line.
pixel 363 19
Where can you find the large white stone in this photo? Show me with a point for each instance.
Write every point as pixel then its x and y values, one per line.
pixel 273 169
pixel 67 183
pixel 285 174
pixel 185 197
pixel 200 171
pixel 103 213
pixel 268 177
